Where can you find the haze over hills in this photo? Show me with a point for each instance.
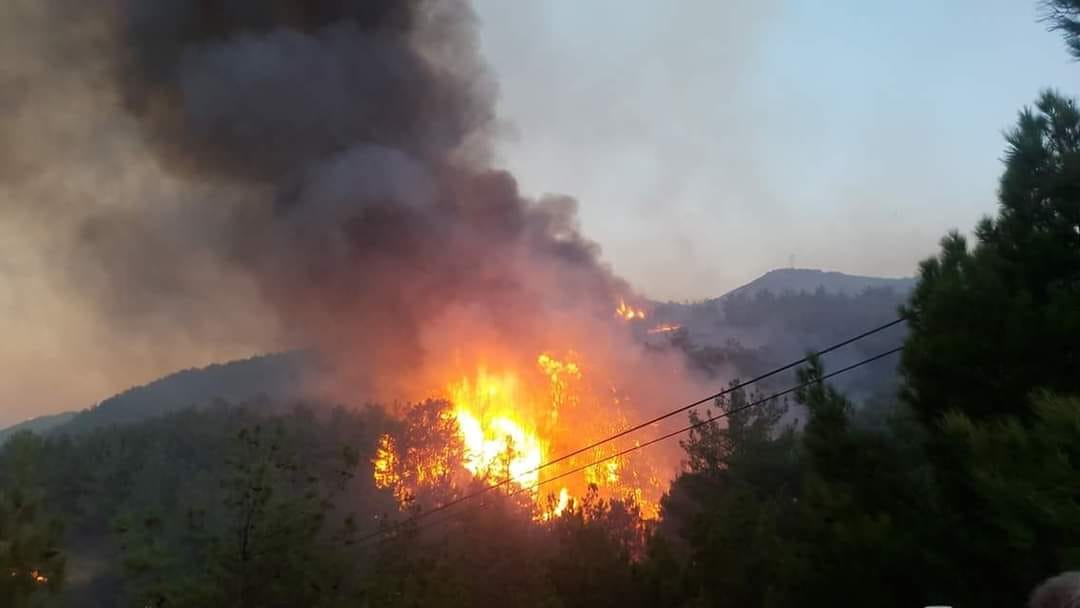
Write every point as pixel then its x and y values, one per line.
pixel 712 324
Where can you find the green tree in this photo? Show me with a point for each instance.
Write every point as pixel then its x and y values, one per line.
pixel 989 323
pixel 269 545
pixel 1022 482
pixel 867 508
pixel 1064 16
pixel 732 512
pixel 31 561
pixel 484 553
pixel 596 541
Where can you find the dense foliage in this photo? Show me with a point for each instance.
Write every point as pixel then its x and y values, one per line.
pixel 30 534
pixel 1002 317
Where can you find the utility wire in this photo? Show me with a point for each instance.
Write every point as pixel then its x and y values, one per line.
pixel 704 400
pixel 634 448
pixel 650 422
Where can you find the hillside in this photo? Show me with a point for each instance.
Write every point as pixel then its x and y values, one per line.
pixel 784 313
pixel 276 376
pixel 783 280
pixel 805 308
pixel 40 424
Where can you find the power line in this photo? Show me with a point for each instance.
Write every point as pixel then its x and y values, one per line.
pixel 626 451
pixel 704 400
pixel 699 424
pixel 653 421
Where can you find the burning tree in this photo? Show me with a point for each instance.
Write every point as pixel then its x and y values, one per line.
pixel 503 428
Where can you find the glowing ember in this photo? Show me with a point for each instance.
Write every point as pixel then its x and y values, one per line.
pixel 665 328
pixel 35 575
pixel 629 313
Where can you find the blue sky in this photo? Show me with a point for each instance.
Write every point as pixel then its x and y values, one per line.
pixel 707 142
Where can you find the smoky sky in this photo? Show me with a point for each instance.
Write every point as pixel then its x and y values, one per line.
pixel 184 180
pixel 726 139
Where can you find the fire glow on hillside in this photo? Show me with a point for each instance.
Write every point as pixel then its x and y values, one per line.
pixel 509 422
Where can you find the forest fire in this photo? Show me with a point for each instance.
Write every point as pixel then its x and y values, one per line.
pixel 665 328
pixel 498 444
pixel 503 426
pixel 629 313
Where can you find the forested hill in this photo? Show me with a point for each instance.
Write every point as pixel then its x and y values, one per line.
pixel 795 280
pixel 275 376
pixel 40 424
pixel 780 314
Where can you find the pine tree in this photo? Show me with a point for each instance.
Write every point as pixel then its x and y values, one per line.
pixel 1064 16
pixel 990 323
pixel 31 563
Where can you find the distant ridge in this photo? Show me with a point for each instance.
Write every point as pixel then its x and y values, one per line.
pixel 796 280
pixel 276 376
pixel 41 424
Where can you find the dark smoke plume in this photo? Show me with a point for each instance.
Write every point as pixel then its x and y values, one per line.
pixel 330 157
pixel 257 89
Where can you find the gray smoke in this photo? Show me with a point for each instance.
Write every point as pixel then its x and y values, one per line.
pixel 252 89
pixel 315 170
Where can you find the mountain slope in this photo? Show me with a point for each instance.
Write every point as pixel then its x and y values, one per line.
pixel 276 376
pixel 785 313
pixel 41 424
pixel 798 319
pixel 784 280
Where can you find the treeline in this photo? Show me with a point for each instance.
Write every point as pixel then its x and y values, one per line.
pixel 752 334
pixel 201 507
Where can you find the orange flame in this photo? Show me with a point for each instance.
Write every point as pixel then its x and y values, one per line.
pixel 628 313
pixel 35 575
pixel 665 328
pixel 509 424
pixel 497 443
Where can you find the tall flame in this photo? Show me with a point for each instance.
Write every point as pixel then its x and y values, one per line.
pixel 510 424
pixel 497 442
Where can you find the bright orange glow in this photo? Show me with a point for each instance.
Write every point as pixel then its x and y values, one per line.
pixel 665 328
pixel 497 443
pixel 563 502
pixel 386 466
pixel 510 422
pixel 629 313
pixel 405 469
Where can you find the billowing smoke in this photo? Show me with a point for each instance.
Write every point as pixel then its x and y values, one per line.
pixel 317 171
